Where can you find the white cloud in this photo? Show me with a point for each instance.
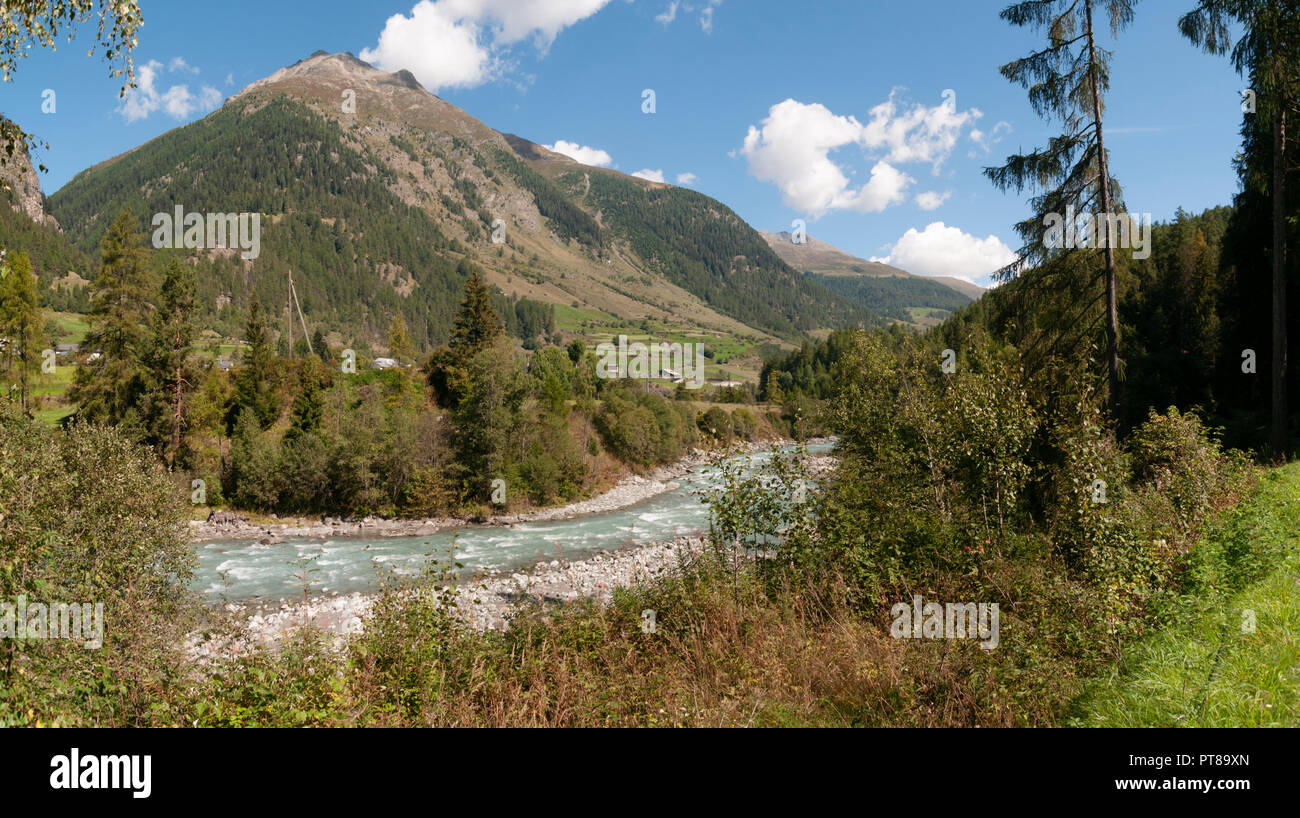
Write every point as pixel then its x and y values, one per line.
pixel 932 200
pixel 686 178
pixel 460 43
pixel 917 134
pixel 705 9
pixel 792 150
pixel 179 103
pixel 940 250
pixel 230 78
pixel 176 101
pixel 706 16
pixel 179 64
pixel 987 141
pixel 581 153
pixel 669 13
pixel 650 175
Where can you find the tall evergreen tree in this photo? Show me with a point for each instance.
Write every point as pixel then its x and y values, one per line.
pixel 318 344
pixel 170 378
pixel 20 324
pixel 109 388
pixel 478 324
pixel 399 341
pixel 1268 52
pixel 253 382
pixel 309 404
pixel 1068 81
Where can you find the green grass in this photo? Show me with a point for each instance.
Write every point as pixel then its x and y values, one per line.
pixel 54 384
pixel 1210 668
pixel 921 316
pixel 51 417
pixel 570 318
pixel 72 326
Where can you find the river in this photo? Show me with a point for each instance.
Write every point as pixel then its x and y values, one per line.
pixel 253 571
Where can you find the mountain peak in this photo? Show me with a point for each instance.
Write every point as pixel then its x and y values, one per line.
pixel 343 70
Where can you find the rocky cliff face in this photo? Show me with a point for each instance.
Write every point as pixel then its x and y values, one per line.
pixel 24 187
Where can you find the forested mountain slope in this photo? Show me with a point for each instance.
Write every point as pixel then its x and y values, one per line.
pixel 372 191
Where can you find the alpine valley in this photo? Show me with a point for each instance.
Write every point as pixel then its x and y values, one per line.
pixel 375 194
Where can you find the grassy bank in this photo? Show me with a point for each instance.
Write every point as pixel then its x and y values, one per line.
pixel 1232 658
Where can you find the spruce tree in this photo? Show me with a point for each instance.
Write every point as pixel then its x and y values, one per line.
pixel 170 379
pixel 252 383
pixel 1067 81
pixel 477 323
pixel 109 388
pixel 399 341
pixel 1268 52
pixel 477 326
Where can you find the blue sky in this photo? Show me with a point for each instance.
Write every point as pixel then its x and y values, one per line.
pixel 776 109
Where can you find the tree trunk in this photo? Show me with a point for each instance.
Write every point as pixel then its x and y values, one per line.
pixel 1103 173
pixel 1280 448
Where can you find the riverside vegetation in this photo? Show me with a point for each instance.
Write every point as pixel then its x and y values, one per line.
pixel 942 491
pixel 1085 464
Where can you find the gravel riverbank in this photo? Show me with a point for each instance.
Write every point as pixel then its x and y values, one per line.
pixel 486 600
pixel 483 602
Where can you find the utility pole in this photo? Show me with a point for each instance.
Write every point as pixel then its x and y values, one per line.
pixel 288 312
pixel 293 293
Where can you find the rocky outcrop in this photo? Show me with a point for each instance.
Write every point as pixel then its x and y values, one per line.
pixel 18 175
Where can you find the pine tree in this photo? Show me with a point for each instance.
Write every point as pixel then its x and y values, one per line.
pixel 1068 81
pixel 318 344
pixel 399 342
pixel 170 379
pixel 109 389
pixel 478 326
pixel 477 323
pixel 252 383
pixel 309 404
pixel 1269 53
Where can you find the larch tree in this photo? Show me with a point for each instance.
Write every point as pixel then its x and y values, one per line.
pixel 20 323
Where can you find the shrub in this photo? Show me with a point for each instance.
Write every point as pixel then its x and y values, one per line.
pixel 88 517
pixel 743 424
pixel 715 423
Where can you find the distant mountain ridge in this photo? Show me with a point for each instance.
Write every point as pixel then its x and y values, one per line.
pixel 374 192
pixel 890 291
pixel 817 256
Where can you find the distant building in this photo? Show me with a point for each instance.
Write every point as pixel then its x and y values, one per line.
pixel 224 365
pixel 67 349
pixel 385 363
